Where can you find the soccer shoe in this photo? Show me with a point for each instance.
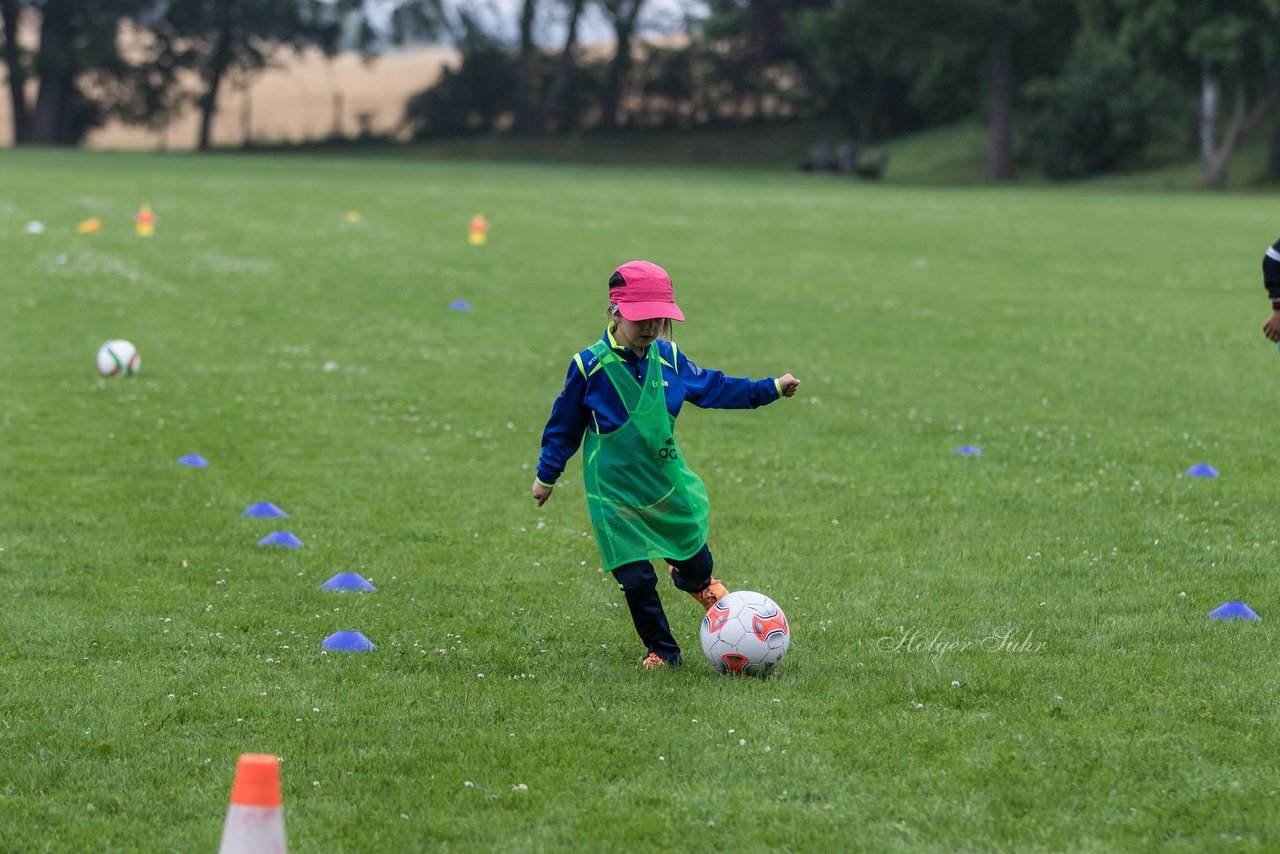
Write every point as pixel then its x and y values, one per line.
pixel 714 593
pixel 706 598
pixel 652 661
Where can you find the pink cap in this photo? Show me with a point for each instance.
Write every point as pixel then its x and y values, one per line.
pixel 642 291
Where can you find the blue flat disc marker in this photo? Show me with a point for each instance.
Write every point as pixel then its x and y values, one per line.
pixel 280 538
pixel 347 642
pixel 193 460
pixel 348 581
pixel 1233 611
pixel 264 510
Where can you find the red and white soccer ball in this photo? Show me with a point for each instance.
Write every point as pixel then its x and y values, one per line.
pixel 745 633
pixel 118 358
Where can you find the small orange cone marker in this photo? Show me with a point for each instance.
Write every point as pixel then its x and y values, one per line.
pixel 478 230
pixel 145 221
pixel 92 225
pixel 255 819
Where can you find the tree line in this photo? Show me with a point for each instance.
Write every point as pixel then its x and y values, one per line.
pixel 1072 87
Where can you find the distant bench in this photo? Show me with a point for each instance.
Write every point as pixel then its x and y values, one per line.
pixel 843 158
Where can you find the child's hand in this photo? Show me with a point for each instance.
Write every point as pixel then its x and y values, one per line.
pixel 540 493
pixel 787 385
pixel 1271 328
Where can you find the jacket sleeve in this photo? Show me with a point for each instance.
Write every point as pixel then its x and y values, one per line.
pixel 714 390
pixel 1271 274
pixel 563 434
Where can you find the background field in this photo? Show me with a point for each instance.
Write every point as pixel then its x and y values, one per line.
pixel 300 97
pixel 1093 344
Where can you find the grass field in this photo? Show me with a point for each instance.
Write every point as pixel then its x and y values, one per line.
pixel 1004 652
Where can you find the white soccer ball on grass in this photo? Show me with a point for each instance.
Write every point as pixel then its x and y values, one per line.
pixel 745 633
pixel 118 358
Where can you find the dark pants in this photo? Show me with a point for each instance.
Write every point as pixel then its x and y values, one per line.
pixel 639 584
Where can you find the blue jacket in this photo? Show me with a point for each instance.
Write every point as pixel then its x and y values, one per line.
pixel 588 400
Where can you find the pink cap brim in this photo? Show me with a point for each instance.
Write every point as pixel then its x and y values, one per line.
pixel 638 311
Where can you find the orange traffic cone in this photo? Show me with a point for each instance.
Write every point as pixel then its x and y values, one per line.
pixel 145 221
pixel 255 819
pixel 478 230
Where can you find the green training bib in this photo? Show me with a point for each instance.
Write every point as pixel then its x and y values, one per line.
pixel 644 501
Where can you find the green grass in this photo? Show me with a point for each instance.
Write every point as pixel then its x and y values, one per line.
pixel 1094 344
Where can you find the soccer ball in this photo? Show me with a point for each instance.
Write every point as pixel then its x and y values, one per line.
pixel 745 633
pixel 118 358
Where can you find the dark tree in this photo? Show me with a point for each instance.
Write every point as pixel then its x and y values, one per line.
pixel 472 98
pixel 1214 47
pixel 525 109
pixel 216 40
pixel 623 16
pixel 15 63
pixel 864 58
pixel 78 49
pixel 554 112
pixel 749 49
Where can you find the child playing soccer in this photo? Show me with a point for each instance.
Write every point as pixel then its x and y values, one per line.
pixel 1271 281
pixel 623 394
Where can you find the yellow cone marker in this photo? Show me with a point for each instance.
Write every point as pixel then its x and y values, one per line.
pixel 145 221
pixel 478 231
